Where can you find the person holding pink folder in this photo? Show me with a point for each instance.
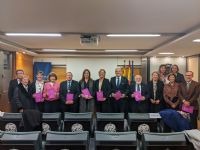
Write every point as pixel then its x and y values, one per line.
pixel 36 89
pixel 86 85
pixel 138 96
pixel 51 94
pixel 102 92
pixel 119 91
pixel 69 92
pixel 188 97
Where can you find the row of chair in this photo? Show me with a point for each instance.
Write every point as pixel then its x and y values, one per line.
pixel 102 141
pixel 110 122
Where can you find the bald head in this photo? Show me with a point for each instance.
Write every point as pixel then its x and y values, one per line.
pixel 118 72
pixel 138 79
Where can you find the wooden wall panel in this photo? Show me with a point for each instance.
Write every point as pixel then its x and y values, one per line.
pixel 25 62
pixel 60 72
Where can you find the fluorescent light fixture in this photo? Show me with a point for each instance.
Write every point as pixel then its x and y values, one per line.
pixel 34 34
pixel 58 50
pixel 196 40
pixel 166 53
pixel 121 50
pixel 133 35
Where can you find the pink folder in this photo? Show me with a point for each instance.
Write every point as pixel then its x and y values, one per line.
pixel 51 94
pixel 100 96
pixel 38 97
pixel 69 97
pixel 138 96
pixel 118 95
pixel 188 109
pixel 86 92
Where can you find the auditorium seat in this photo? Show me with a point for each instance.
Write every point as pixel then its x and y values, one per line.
pixel 10 122
pixel 78 122
pixel 21 140
pixel 67 140
pixel 107 121
pixel 144 122
pixel 162 141
pixel 51 122
pixel 115 140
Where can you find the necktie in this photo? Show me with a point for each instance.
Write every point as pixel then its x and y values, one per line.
pixel 26 88
pixel 188 86
pixel 138 87
pixel 118 82
pixel 68 85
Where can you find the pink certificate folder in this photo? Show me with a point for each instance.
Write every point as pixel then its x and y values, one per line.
pixel 118 95
pixel 69 97
pixel 38 97
pixel 138 96
pixel 51 94
pixel 100 96
pixel 86 92
pixel 188 109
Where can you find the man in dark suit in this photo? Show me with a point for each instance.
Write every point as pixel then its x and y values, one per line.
pixel 119 91
pixel 69 87
pixel 188 96
pixel 12 85
pixel 138 103
pixel 22 98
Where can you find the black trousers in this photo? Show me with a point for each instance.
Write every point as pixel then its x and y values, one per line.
pixel 193 119
pixel 40 106
pixel 139 107
pixel 118 106
pixel 52 106
pixel 103 106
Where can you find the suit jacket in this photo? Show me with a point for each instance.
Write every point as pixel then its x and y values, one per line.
pixel 48 86
pixel 180 78
pixel 123 87
pixel 159 92
pixel 105 87
pixel 33 88
pixel 12 85
pixel 144 89
pixel 191 95
pixel 22 98
pixel 74 89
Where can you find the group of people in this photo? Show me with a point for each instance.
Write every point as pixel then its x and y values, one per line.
pixel 117 95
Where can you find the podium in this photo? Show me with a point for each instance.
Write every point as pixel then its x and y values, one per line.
pixel 103 121
pixel 115 140
pixel 162 141
pixel 21 140
pixel 67 140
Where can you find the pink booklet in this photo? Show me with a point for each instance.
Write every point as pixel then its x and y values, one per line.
pixel 118 95
pixel 188 109
pixel 100 96
pixel 86 92
pixel 51 94
pixel 38 97
pixel 69 97
pixel 138 96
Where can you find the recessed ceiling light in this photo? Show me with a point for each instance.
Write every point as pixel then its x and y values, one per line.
pixel 34 34
pixel 133 35
pixel 121 50
pixel 58 50
pixel 166 53
pixel 196 40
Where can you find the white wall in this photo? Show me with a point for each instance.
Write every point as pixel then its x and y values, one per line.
pixel 77 65
pixel 155 62
pixel 193 65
